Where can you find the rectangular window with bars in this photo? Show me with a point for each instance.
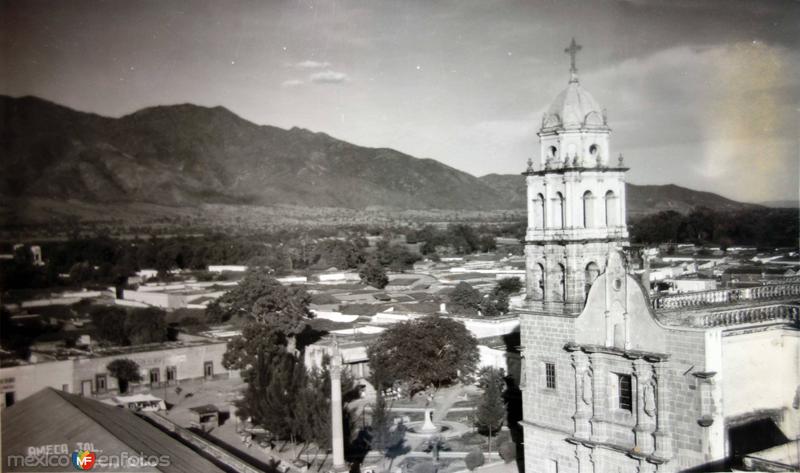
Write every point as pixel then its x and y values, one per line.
pixel 550 375
pixel 625 392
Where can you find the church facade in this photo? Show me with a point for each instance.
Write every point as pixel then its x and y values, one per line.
pixel 612 379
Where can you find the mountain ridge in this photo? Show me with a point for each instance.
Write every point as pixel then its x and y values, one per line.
pixel 187 155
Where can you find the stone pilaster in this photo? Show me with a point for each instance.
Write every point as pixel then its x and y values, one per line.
pixel 583 395
pixel 645 406
pixel 575 274
pixel 599 399
pixel 646 467
pixel 568 203
pixel 663 433
pixel 584 456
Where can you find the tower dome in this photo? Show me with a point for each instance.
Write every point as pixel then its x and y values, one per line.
pixel 574 108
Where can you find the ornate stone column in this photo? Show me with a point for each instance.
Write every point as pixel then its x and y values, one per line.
pixel 663 433
pixel 645 406
pixel 337 425
pixel 583 395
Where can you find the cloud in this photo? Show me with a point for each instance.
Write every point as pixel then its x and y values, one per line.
pixel 292 83
pixel 309 64
pixel 328 77
pixel 719 117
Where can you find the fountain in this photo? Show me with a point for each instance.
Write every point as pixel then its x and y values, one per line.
pixel 428 429
pixel 428 426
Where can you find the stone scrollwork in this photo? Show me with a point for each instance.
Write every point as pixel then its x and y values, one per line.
pixel 586 388
pixel 650 399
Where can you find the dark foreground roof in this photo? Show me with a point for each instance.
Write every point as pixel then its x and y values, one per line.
pixel 56 418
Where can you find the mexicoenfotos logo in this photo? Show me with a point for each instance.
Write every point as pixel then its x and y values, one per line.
pixel 83 459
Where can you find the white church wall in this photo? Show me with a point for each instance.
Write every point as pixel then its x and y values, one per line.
pixel 761 371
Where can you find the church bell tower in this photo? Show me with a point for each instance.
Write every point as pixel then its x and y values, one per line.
pixel 576 197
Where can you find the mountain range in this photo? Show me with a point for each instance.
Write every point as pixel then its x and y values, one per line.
pixel 186 155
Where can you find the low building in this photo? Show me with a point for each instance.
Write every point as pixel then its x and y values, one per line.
pixel 338 277
pixel 227 268
pixel 681 285
pixel 160 365
pixel 164 300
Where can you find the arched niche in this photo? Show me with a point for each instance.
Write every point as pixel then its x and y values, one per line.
pixel 591 272
pixel 538 212
pixel 561 280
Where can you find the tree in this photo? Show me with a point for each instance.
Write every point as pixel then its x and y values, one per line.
pixel 147 325
pixel 338 253
pixel 491 411
pixel 276 261
pixel 281 395
pixel 474 459
pixel 431 351
pixel 488 307
pixel 396 257
pixel 508 286
pixel 109 324
pixel 487 243
pixel 261 298
pixel 126 371
pixel 119 326
pixel 273 384
pixel 81 272
pixel 462 238
pixel 372 273
pixel 15 338
pixel 465 299
pixel 383 437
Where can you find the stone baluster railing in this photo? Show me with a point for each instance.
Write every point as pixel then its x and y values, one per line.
pixel 789 313
pixel 723 296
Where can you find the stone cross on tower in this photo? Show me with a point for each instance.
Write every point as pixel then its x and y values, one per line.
pixel 572 50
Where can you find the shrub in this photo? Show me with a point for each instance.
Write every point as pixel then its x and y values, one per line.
pixel 474 459
pixel 424 467
pixel 126 371
pixel 507 451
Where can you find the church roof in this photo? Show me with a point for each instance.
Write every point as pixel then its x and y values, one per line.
pixel 52 417
pixel 574 108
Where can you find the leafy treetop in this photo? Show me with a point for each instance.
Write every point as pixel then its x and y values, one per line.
pixel 431 351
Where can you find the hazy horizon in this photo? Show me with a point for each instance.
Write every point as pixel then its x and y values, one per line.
pixel 702 95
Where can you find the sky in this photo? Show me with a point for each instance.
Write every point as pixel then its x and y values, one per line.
pixel 703 94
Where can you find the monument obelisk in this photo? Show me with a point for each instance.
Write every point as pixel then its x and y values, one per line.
pixel 337 434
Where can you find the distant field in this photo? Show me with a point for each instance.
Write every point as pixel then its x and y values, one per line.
pixel 56 219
